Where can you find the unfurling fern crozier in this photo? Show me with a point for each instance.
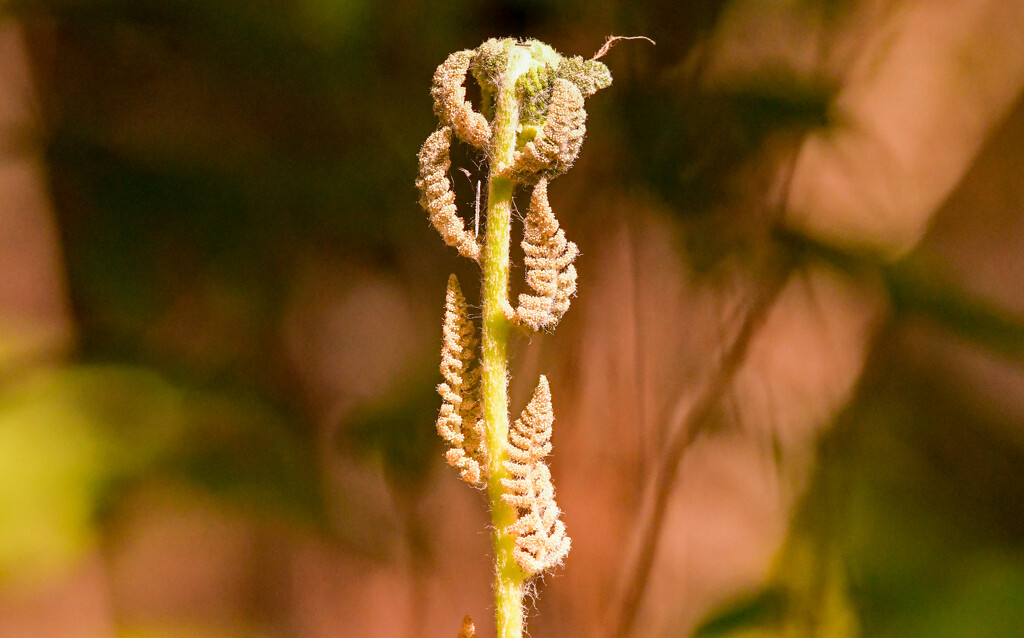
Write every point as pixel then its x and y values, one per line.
pixel 529 127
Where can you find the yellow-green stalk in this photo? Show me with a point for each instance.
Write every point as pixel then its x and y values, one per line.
pixel 509 578
pixel 530 126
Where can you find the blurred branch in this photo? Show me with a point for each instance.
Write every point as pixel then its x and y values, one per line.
pixel 693 416
pixel 918 289
pixel 915 291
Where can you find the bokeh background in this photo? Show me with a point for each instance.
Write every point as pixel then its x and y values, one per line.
pixel 789 397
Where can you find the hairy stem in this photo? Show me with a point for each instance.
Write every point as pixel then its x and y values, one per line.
pixel 509 577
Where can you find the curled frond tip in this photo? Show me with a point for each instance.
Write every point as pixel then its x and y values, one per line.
pixel 450 105
pixel 558 143
pixel 438 198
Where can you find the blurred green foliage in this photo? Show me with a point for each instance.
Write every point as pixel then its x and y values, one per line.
pixel 72 440
pixel 913 524
pixel 383 430
pixel 52 460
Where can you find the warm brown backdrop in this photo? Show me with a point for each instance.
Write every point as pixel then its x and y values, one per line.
pixel 791 385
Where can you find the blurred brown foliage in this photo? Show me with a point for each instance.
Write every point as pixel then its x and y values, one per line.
pixel 789 398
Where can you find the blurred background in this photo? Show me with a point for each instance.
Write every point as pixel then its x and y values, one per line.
pixel 789 396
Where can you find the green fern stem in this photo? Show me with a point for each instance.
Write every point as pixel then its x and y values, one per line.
pixel 509 577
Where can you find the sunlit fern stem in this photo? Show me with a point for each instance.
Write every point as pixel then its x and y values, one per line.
pixel 509 577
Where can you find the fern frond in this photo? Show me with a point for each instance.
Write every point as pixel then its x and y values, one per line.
pixel 450 105
pixel 437 196
pixel 460 422
pixel 558 143
pixel 549 265
pixel 541 542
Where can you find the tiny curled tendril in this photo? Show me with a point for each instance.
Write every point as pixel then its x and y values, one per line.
pixel 612 39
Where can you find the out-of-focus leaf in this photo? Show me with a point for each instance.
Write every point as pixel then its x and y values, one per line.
pixel 761 611
pixel 399 431
pixel 245 452
pixel 928 72
pixel 899 533
pixel 700 149
pixel 69 438
pixel 910 479
pixel 53 460
pixel 982 600
pixel 68 435
pixel 689 160
pixel 920 289
pixel 806 595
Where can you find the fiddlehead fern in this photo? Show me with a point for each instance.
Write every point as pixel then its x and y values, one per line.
pixel 532 100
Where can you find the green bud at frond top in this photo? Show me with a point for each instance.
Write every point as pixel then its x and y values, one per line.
pixel 532 67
